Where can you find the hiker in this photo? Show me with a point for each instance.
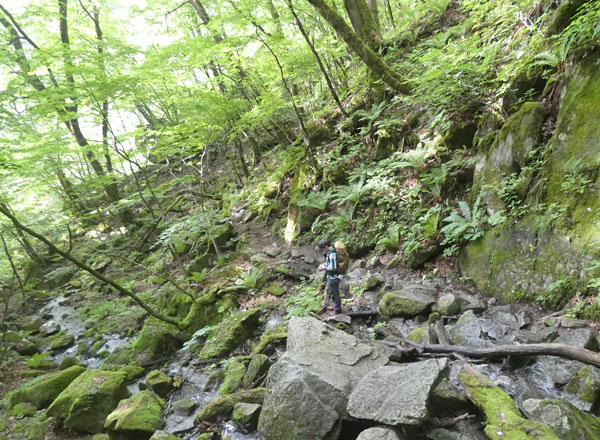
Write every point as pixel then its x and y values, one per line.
pixel 336 264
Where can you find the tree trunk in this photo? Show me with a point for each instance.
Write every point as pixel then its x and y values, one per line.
pixel 318 58
pixel 366 54
pixel 364 22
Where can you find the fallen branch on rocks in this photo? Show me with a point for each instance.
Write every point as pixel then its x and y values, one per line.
pixel 562 350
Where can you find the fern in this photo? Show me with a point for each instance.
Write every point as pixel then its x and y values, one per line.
pixel 464 224
pixel 317 200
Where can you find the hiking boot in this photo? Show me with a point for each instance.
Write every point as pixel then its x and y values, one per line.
pixel 330 308
pixel 334 312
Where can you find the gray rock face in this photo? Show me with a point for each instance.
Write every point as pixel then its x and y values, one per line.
pixel 448 304
pixel 412 300
pixel 308 388
pixel 393 395
pixel 371 280
pixel 379 434
pixel 581 338
pixel 468 331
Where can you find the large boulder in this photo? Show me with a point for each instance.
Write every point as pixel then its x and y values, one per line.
pixel 308 388
pixel 86 402
pixel 230 334
pixel 140 413
pixel 42 390
pixel 410 301
pixel 156 340
pixel 392 396
pixel 566 420
pixel 585 386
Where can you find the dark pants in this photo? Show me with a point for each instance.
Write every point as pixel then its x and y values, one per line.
pixel 334 293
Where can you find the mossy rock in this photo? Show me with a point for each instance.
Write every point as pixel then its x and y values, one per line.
pixel 100 437
pixel 61 341
pixel 233 378
pixel 140 413
pixel 246 415
pixel 503 420
pixel 418 335
pixel 70 361
pixel 562 16
pixel 230 334
pixel 586 386
pixel 222 406
pixel 86 402
pixel 159 383
pixel 24 409
pixel 405 304
pixel 276 290
pixel 270 336
pixel 156 340
pixel 131 372
pixel 42 390
pixel 299 218
pixel 564 418
pixel 184 407
pixel 32 428
pixel 162 435
pixel 258 366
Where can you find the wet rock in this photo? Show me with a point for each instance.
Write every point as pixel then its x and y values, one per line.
pixel 410 301
pixel 86 402
pixel 566 420
pixel 246 415
pixel 138 414
pixel 585 386
pixel 42 390
pixel 371 280
pixel 50 328
pixel 580 337
pixel 230 334
pixel 379 434
pixel 307 389
pixel 391 395
pixel 467 331
pixel 159 383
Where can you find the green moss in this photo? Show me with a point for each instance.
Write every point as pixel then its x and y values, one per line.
pixel 298 217
pixel 270 336
pixel 86 402
pixel 23 410
pixel 60 340
pixel 222 406
pixel 33 428
pixel 258 366
pixel 159 382
pixel 276 290
pixel 230 333
pixel 42 390
pixel 156 340
pixel 503 420
pixel 584 386
pixel 417 335
pixel 140 413
pixel 233 378
pixel 394 305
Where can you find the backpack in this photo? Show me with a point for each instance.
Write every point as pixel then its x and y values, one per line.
pixel 342 257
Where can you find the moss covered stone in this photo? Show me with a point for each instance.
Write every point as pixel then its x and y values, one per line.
pixel 32 428
pixel 246 415
pixel 258 366
pixel 298 217
pixel 233 378
pixel 565 419
pixel 159 382
pixel 586 386
pixel 405 304
pixel 24 409
pixel 230 334
pixel 86 402
pixel 503 420
pixel 270 336
pixel 222 406
pixel 162 435
pixel 276 289
pixel 42 390
pixel 417 335
pixel 140 413
pixel 156 340
pixel 61 341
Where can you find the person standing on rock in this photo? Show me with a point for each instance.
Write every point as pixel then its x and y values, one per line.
pixel 334 277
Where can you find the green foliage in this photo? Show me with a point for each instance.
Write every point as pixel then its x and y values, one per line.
pixel 306 301
pixel 583 31
pixel 464 224
pixel 202 333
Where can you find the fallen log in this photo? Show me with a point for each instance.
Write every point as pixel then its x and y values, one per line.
pixel 561 350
